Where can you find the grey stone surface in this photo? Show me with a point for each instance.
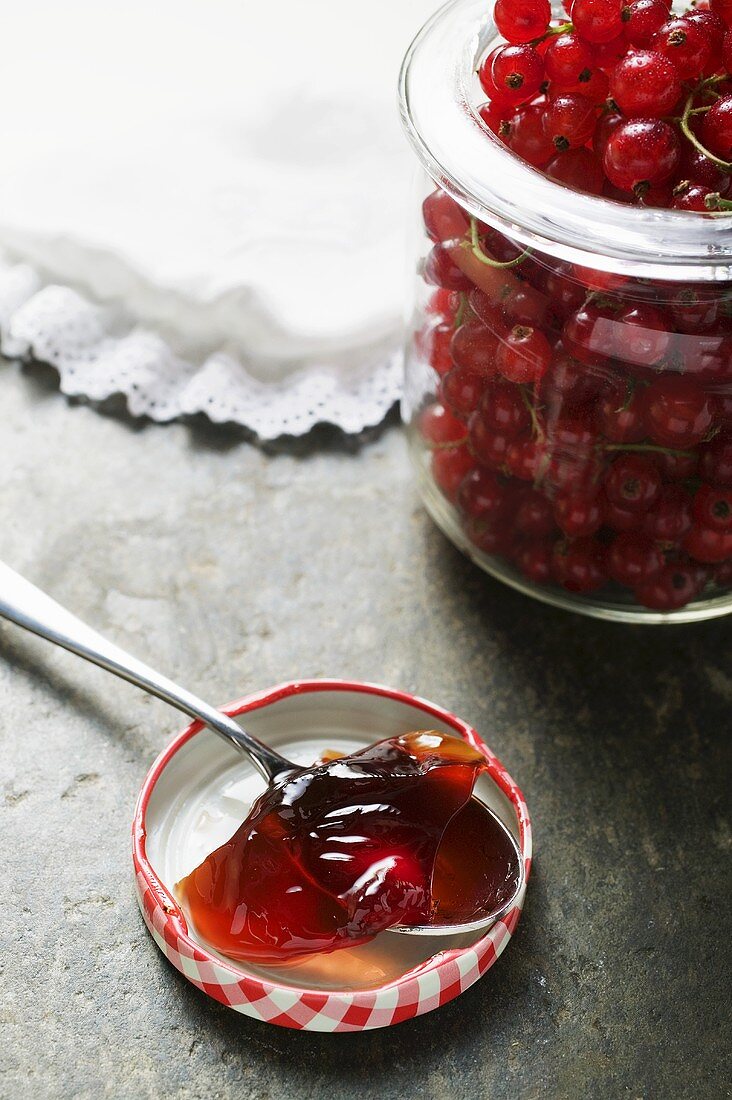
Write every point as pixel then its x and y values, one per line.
pixel 233 570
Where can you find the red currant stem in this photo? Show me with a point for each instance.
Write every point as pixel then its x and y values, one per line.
pixel 475 247
pixel 535 422
pixel 715 202
pixel 691 136
pixel 645 447
pixel 563 28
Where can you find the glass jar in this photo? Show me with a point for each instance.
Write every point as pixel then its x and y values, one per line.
pixel 605 487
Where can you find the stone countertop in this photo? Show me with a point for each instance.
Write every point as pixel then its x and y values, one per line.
pixel 232 570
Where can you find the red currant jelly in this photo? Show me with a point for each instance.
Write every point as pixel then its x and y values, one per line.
pixel 333 855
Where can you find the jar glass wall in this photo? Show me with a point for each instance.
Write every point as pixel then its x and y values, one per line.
pixel 569 369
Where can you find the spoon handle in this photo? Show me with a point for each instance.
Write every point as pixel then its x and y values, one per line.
pixel 29 607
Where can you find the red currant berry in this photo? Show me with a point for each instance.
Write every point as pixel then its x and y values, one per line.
pixel 449 467
pixel 578 514
pixel 697 168
pixel 607 54
pixel 504 410
pixel 640 153
pixel 641 336
pixel 677 465
pixel 606 123
pixel 462 389
pixel 441 270
pixel 569 120
pixel 674 587
pixel 620 417
pixel 633 483
pixel 443 304
pixel 488 446
pixel 524 355
pixel 534 514
pixel 716 129
pixel 677 412
pixel 691 196
pixel 713 508
pixel 620 519
pixel 727 51
pixel 670 518
pixel 443 219
pixel 685 44
pixel 512 74
pixel 707 545
pixel 480 497
pixel 535 562
pixel 714 29
pixel 641 20
pixel 568 62
pixel 577 168
pixel 432 343
pixel 525 459
pixel 527 138
pixel 597 21
pixel 522 22
pixel 723 8
pixel 495 115
pixel 645 85
pixel 590 331
pixel 439 427
pixel 491 540
pixel 580 565
pixel 633 559
pixel 474 347
pixel 715 463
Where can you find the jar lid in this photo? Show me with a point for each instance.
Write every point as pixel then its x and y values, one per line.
pixel 195 796
pixel 439 95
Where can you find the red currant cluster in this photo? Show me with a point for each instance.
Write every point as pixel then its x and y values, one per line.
pixel 627 100
pixel 583 421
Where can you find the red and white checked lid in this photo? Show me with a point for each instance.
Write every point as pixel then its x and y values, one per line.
pixel 363 712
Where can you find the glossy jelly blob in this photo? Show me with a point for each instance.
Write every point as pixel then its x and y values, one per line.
pixel 332 855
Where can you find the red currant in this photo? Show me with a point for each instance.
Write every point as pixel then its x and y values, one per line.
pixel 578 514
pixel 443 219
pixel 577 168
pixel 691 196
pixel 634 559
pixel 670 518
pixel 449 467
pixel 707 545
pixel 716 129
pixel 633 483
pixel 580 565
pixel 645 84
pixel 489 447
pixel 534 514
pixel 597 21
pixel 641 20
pixel 527 138
pixel 568 62
pixel 713 508
pixel 438 426
pixel 462 389
pixel 685 44
pixel 512 74
pixel 473 347
pixel 504 411
pixel 569 120
pixel 677 412
pixel 535 562
pixel 441 270
pixel 674 587
pixel 620 417
pixel 480 497
pixel 641 336
pixel 639 153
pixel 522 22
pixel 524 355
pixel 715 464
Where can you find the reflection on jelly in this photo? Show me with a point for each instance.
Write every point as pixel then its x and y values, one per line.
pixel 335 854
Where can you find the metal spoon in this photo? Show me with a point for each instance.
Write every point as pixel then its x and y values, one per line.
pixel 26 605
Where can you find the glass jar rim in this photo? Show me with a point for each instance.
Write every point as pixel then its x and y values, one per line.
pixel 438 89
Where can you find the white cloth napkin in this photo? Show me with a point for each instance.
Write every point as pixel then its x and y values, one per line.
pixel 229 175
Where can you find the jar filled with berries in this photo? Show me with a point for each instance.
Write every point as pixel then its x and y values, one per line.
pixel 569 367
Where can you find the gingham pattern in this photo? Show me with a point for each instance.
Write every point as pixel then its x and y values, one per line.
pixel 423 989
